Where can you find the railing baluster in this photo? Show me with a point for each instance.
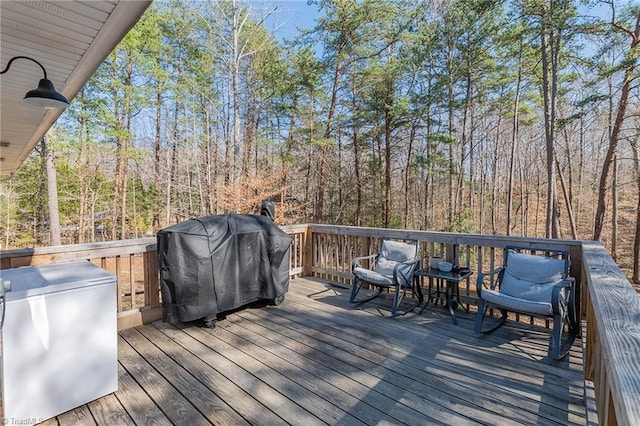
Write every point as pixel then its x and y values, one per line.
pixel 119 284
pixel 132 281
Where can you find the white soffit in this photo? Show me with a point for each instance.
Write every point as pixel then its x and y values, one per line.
pixel 70 39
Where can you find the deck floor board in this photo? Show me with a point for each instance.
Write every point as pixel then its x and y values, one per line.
pixel 435 380
pixel 317 359
pixel 433 358
pixel 460 345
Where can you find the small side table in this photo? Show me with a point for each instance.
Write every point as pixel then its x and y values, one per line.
pixel 451 290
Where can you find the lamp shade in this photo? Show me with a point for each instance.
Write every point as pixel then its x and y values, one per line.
pixel 46 96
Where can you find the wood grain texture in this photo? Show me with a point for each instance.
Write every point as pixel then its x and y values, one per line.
pixel 81 416
pixel 184 354
pixel 228 369
pixel 173 404
pixel 108 410
pixel 141 408
pixel 318 359
pixel 202 398
pixel 616 311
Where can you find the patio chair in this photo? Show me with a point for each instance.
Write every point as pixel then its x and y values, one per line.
pixel 392 268
pixel 535 285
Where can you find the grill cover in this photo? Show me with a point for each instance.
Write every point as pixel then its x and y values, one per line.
pixel 218 263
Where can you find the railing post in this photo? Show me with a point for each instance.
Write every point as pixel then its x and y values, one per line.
pixel 576 270
pixel 452 253
pixel 307 254
pixel 590 344
pixel 5 262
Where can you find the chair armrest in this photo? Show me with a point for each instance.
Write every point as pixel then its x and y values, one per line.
pixel 483 275
pixel 406 274
pixel 558 300
pixel 357 260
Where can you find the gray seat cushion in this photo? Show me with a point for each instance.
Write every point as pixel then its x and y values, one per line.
pixel 374 277
pixel 518 304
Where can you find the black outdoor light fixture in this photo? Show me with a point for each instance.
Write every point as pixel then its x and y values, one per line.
pixel 45 95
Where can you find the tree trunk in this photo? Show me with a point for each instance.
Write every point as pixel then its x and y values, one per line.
pixel 636 241
pixel 549 93
pixel 83 180
pixel 156 163
pixel 235 93
pixel 52 191
pixel 388 118
pixel 309 160
pixel 407 171
pixel 213 138
pixel 514 142
pixel 614 211
pixel 451 168
pixel 494 179
pixel 117 110
pixel 356 162
pixel 173 164
pixel 524 201
pixel 464 140
pixel 567 200
pixel 319 215
pixel 615 132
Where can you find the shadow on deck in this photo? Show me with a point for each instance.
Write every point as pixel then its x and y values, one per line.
pixel 317 359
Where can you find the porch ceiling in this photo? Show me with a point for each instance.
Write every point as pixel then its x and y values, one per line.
pixel 70 39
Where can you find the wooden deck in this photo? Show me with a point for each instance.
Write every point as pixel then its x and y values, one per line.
pixel 317 359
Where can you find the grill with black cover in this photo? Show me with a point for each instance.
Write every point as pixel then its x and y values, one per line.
pixel 215 264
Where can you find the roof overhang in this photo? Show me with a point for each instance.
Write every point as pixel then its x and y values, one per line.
pixel 70 39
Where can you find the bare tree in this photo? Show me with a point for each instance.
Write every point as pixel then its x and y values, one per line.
pixel 635 145
pixel 52 196
pixel 614 137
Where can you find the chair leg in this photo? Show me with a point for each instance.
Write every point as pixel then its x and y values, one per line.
pixel 397 299
pixel 355 288
pixel 558 350
pixel 572 316
pixel 567 314
pixel 483 307
pixel 480 316
pixel 556 337
pixel 401 292
pixel 357 285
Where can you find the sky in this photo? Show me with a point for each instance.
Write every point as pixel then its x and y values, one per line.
pixel 289 15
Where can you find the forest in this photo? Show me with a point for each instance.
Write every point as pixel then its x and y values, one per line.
pixel 475 116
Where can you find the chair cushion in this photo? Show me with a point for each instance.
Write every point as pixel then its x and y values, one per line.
pixel 533 268
pixel 397 251
pixel 392 253
pixel 514 287
pixel 531 277
pixel 374 277
pixel 385 266
pixel 518 304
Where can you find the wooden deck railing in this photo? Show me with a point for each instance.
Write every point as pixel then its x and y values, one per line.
pixel 612 341
pixel 333 248
pixel 608 303
pixel 134 264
